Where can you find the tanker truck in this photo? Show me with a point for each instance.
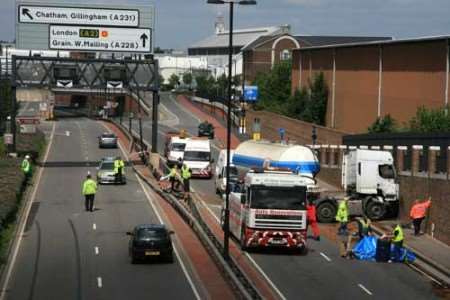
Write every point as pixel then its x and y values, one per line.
pixel 298 159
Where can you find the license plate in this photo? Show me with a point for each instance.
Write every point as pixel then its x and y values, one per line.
pixel 278 242
pixel 151 253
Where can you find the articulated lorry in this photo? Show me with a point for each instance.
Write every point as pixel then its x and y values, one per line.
pixel 369 181
pixel 269 210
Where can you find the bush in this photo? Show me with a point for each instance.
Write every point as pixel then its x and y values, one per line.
pixel 430 120
pixel 384 124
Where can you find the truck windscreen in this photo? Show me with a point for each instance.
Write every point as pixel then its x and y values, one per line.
pixel 278 198
pixel 386 171
pixel 196 156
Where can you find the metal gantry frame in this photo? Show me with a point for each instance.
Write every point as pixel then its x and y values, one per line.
pixel 38 72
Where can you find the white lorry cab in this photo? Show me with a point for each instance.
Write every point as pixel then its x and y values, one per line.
pixel 369 180
pixel 175 149
pixel 220 173
pixel 197 156
pixel 269 210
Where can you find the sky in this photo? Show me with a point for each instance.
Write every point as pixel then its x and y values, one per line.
pixel 180 23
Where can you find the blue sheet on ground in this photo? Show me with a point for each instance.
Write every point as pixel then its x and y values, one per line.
pixel 366 249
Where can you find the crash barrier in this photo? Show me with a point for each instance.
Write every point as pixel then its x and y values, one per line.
pixel 217 105
pixel 414 160
pixel 243 286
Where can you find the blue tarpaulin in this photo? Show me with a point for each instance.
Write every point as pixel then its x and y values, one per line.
pixel 366 249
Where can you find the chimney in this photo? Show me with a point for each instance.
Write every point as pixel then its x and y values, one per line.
pixel 220 24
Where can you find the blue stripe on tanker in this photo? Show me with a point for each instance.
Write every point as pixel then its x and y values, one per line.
pixel 301 167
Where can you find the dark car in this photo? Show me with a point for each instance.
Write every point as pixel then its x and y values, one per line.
pixel 107 140
pixel 206 129
pixel 150 241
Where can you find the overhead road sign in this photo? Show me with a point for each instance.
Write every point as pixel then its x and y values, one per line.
pixel 77 16
pixel 251 93
pixel 99 39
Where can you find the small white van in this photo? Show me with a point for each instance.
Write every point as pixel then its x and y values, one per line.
pixel 197 156
pixel 221 171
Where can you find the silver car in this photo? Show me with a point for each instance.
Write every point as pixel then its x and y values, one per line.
pixel 105 173
pixel 107 140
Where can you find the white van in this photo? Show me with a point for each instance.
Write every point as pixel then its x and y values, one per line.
pixel 175 149
pixel 220 171
pixel 197 156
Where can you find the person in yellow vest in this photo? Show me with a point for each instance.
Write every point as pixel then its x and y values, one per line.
pixel 186 176
pixel 342 216
pixel 89 190
pixel 397 238
pixel 26 167
pixel 172 176
pixel 118 169
pixel 364 226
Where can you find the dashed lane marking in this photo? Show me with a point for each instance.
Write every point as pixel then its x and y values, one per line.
pixel 99 282
pixel 326 257
pixel 67 133
pixel 365 289
pixel 94 226
pixel 96 250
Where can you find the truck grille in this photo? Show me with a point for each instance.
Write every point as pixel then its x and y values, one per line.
pixel 280 222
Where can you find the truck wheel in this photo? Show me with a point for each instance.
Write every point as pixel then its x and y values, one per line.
pixel 375 210
pixel 326 212
pixel 242 241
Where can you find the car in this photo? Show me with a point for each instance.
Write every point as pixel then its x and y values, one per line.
pixel 150 241
pixel 107 140
pixel 206 129
pixel 105 171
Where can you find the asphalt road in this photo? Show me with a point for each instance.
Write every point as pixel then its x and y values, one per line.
pixel 321 274
pixel 67 253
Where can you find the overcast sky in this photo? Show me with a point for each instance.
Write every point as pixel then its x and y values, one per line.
pixel 180 23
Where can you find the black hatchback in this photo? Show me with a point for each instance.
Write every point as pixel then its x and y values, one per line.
pixel 150 241
pixel 206 129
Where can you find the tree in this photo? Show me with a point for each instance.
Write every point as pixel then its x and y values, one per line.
pixel 174 80
pixel 318 99
pixel 383 124
pixel 430 120
pixel 5 103
pixel 158 50
pixel 187 78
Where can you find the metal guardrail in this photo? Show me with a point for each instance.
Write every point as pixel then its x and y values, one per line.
pixel 244 288
pixel 219 105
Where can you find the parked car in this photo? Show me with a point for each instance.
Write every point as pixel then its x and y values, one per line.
pixel 150 241
pixel 206 129
pixel 105 172
pixel 107 140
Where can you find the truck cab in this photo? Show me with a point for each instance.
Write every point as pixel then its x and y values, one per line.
pixel 270 210
pixel 174 147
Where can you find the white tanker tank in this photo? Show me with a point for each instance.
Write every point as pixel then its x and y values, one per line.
pixel 296 158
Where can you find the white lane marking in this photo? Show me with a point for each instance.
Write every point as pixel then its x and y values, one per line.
pixel 183 267
pixel 255 264
pixel 96 250
pixel 94 226
pixel 274 287
pixel 67 133
pixel 99 282
pixel 21 228
pixel 324 256
pixel 365 289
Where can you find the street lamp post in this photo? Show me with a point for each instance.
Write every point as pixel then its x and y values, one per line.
pixel 226 221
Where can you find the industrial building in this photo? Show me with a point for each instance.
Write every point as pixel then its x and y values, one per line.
pixel 372 79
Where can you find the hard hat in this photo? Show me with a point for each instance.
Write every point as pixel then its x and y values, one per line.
pixel 88 173
pixel 27 156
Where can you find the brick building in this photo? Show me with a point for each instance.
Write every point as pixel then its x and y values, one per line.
pixel 372 79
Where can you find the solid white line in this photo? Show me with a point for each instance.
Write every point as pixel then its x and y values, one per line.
pixel 96 250
pixel 274 287
pixel 324 256
pixel 21 229
pixel 255 264
pixel 94 226
pixel 99 282
pixel 183 267
pixel 365 289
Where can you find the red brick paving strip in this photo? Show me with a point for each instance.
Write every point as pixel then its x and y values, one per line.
pixel 204 266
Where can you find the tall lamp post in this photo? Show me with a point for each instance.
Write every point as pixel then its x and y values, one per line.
pixel 226 221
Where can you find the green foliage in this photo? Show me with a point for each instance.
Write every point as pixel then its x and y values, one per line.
pixel 383 124
pixel 187 78
pixel 206 86
pixel 5 103
pixel 274 87
pixel 430 120
pixel 173 81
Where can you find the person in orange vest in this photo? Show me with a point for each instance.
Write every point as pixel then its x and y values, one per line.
pixel 418 212
pixel 312 219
